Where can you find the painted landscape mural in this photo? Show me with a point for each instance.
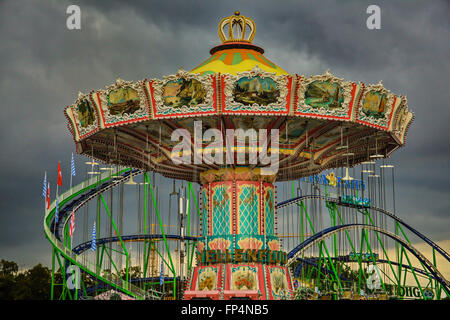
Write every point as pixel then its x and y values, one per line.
pixel 256 90
pixel 374 104
pixel 122 101
pixel 183 92
pixel 86 114
pixel 324 94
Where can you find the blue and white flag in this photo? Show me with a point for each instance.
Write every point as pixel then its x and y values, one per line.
pixel 72 165
pixel 161 277
pixel 94 241
pixel 44 189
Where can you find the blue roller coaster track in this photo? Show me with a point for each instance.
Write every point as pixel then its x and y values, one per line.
pixel 319 236
pixel 299 199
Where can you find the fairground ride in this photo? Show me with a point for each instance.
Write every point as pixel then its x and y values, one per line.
pixel 275 213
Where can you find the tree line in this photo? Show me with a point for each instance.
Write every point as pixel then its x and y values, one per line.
pixel 30 284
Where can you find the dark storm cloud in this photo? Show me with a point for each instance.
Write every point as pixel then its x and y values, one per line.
pixel 43 66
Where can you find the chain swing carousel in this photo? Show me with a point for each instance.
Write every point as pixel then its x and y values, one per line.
pixel 227 207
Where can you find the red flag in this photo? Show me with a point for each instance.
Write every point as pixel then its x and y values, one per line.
pixel 59 174
pixel 48 196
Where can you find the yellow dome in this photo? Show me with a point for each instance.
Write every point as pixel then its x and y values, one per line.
pixel 235 60
pixel 236 53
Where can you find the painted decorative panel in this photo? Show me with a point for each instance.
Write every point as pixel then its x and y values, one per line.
pixel 325 96
pixel 377 106
pixel 183 94
pixel 256 91
pixel 207 278
pixel 84 116
pixel 279 282
pixel 244 277
pixel 121 103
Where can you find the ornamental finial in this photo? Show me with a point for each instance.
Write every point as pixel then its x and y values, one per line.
pixel 237 28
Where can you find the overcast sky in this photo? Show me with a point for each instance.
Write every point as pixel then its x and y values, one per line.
pixel 43 65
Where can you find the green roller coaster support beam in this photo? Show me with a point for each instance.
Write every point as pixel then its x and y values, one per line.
pixel 302 235
pixel 333 221
pixel 83 286
pixel 382 246
pixel 399 257
pixel 98 234
pixel 63 275
pixel 111 260
pixel 412 270
pixel 195 200
pixel 58 246
pixel 324 247
pixel 52 291
pixel 160 223
pixel 437 286
pixel 152 245
pixel 146 255
pixel 359 259
pixel 373 258
pixel 320 263
pixel 415 276
pixel 101 259
pixel 118 235
pixel 188 227
pixel 361 271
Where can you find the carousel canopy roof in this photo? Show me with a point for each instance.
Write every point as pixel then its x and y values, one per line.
pixel 323 121
pixel 236 53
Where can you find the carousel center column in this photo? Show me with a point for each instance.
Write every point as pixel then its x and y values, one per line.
pixel 239 252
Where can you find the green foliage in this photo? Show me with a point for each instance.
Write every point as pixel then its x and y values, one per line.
pixel 31 284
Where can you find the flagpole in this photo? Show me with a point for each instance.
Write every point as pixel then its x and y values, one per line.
pixel 71 230
pixel 71 161
pixel 45 196
pixel 57 205
pixel 57 185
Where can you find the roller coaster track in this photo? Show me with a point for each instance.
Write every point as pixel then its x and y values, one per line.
pixel 72 200
pixel 79 249
pixel 312 262
pixel 136 237
pixel 283 204
pixel 320 236
pixel 76 203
